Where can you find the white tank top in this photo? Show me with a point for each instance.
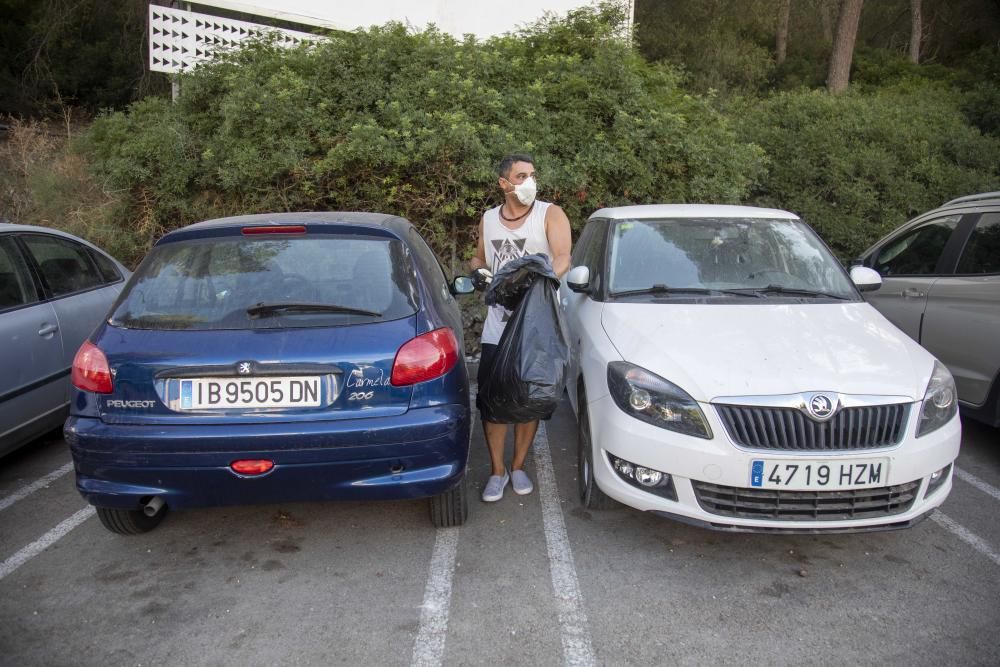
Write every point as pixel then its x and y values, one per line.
pixel 502 245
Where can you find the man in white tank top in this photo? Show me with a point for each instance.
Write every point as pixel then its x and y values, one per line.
pixel 520 226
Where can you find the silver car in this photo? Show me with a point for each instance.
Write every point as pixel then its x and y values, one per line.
pixel 54 290
pixel 941 285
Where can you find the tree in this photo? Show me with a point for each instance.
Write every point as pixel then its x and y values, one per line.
pixel 57 54
pixel 781 39
pixel 916 30
pixel 839 74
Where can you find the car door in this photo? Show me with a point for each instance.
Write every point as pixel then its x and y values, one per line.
pixel 79 291
pixel 33 382
pixel 580 309
pixel 910 263
pixel 962 318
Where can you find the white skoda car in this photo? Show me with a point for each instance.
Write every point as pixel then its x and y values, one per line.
pixel 727 373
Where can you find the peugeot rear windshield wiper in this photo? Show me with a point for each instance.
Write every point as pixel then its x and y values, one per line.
pixel 794 291
pixel 267 309
pixel 665 289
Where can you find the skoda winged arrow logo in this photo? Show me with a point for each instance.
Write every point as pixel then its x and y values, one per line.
pixel 821 406
pixel 243 368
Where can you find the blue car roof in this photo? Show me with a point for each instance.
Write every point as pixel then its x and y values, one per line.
pixel 378 222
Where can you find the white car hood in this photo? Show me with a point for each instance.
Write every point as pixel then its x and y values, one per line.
pixel 712 350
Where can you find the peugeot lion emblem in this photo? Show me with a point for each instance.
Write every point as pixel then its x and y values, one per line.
pixel 243 368
pixel 821 406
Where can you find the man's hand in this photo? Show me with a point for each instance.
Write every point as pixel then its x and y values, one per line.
pixel 481 278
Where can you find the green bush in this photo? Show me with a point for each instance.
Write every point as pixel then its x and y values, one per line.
pixel 413 123
pixel 872 68
pixel 856 166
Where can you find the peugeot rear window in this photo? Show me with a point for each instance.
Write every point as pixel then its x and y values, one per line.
pixel 236 282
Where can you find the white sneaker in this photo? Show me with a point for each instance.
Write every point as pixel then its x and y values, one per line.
pixel 521 483
pixel 494 487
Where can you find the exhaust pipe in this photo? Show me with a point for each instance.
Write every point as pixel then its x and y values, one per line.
pixel 153 506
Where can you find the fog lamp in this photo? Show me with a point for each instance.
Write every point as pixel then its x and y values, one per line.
pixel 936 480
pixel 624 467
pixel 648 477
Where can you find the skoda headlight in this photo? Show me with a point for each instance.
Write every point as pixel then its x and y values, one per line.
pixel 940 401
pixel 652 399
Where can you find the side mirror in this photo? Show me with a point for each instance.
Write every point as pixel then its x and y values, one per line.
pixel 462 285
pixel 865 279
pixel 578 279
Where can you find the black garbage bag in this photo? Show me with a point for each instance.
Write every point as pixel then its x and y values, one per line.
pixel 529 367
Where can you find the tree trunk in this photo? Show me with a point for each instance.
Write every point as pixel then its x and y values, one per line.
pixel 839 74
pixel 916 30
pixel 781 39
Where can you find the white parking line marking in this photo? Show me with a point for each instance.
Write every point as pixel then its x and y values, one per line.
pixel 577 648
pixel 969 478
pixel 428 649
pixel 966 535
pixel 45 541
pixel 26 491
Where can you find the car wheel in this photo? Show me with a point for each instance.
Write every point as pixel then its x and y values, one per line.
pixel 129 522
pixel 591 495
pixel 451 507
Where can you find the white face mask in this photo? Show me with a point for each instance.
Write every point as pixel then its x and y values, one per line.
pixel 525 192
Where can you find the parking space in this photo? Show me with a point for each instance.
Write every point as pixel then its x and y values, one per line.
pixel 528 580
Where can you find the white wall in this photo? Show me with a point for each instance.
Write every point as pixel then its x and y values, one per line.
pixel 456 17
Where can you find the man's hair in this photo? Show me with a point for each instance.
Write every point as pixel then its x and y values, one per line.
pixel 503 169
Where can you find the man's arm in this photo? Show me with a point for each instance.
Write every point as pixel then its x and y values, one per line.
pixel 558 233
pixel 478 261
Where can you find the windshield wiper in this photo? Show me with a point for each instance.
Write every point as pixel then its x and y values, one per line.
pixel 665 289
pixel 794 291
pixel 268 309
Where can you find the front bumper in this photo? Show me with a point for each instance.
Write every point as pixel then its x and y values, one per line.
pixel 421 453
pixel 722 463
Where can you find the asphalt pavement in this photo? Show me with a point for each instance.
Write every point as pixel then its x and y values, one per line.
pixel 529 580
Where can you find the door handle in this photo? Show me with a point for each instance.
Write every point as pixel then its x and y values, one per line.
pixel 48 330
pixel 914 293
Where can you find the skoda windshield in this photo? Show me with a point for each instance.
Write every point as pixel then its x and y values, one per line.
pixel 734 258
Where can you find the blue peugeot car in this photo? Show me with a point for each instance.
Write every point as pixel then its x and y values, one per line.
pixel 275 358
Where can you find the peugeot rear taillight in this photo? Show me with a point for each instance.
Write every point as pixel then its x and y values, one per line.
pixel 91 371
pixel 425 358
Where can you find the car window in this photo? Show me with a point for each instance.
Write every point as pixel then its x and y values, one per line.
pixel 66 266
pixel 917 252
pixel 723 253
pixel 15 285
pixel 211 283
pixel 109 272
pixel 982 252
pixel 429 265
pixel 580 249
pixel 594 254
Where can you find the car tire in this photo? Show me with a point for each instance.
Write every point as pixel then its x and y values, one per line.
pixel 451 508
pixel 129 522
pixel 591 496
